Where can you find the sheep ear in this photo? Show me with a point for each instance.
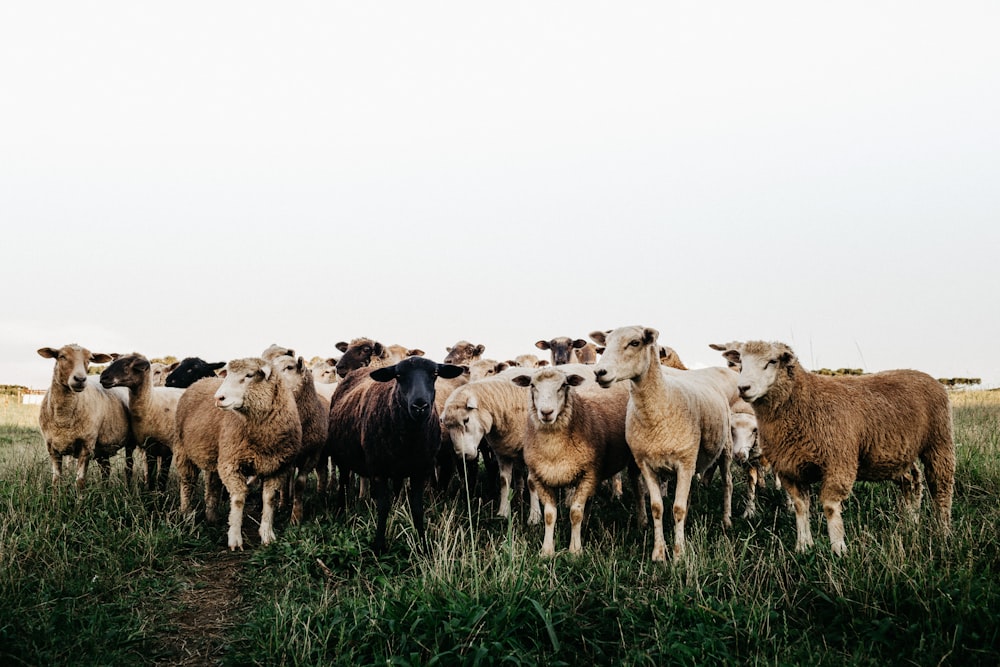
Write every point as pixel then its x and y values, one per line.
pixel 216 366
pixel 172 366
pixel 600 350
pixel 649 335
pixel 502 366
pixel 223 372
pixel 480 349
pixel 542 345
pixel 384 374
pixel 579 342
pixel 787 358
pixel 732 356
pixel 378 349
pixel 48 352
pixel 415 352
pixel 100 358
pixel 265 370
pixel 472 403
pixel 599 337
pixel 522 380
pixel 448 371
pixel 717 346
pixel 342 346
pixel 301 363
pixel 543 362
pixel 141 364
pixel 575 380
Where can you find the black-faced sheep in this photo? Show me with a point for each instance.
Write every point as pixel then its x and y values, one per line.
pixel 190 370
pixel 835 430
pixel 573 438
pixel 384 426
pixel 82 419
pixel 152 413
pixel 361 353
pixel 235 428
pixel 677 420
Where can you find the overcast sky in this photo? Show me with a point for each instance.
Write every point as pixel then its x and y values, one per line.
pixel 208 178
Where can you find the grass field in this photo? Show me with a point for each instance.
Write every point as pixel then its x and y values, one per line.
pixel 114 576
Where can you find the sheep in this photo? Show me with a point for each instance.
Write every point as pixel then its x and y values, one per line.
pixel 159 372
pixel 314 414
pixel 676 420
pixel 835 430
pixel 237 427
pixel 463 353
pixel 387 430
pixel 80 418
pixel 670 358
pixel 561 348
pixel 191 369
pixel 152 413
pixel 484 368
pixel 495 410
pixel 573 438
pixel 586 354
pixel 361 352
pixel 527 361
pixel 395 353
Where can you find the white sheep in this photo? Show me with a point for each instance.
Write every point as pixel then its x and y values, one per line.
pixel 484 368
pixel 235 428
pixel 835 430
pixel 159 372
pixel 152 413
pixel 677 420
pixel 82 419
pixel 574 438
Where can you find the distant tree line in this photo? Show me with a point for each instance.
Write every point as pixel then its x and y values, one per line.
pixel 948 382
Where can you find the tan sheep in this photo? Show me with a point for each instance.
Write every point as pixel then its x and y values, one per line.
pixel 484 368
pixel 463 353
pixel 159 372
pixel 836 430
pixel 152 413
pixel 677 420
pixel 82 419
pixel 237 427
pixel 573 438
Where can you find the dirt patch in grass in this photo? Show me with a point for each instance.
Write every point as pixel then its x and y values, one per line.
pixel 204 612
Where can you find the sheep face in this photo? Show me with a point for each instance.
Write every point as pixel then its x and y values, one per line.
pixel 237 378
pixel 549 392
pixel 561 348
pixel 72 364
pixel 731 352
pixel 128 371
pixel 326 372
pixel 761 366
pixel 274 351
pixel 190 370
pixel 358 354
pixel 626 353
pixel 467 425
pixel 744 429
pixel 414 378
pixel 484 368
pixel 159 372
pixel 292 370
pixel 463 352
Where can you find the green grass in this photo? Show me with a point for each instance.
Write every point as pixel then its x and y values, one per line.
pixel 99 579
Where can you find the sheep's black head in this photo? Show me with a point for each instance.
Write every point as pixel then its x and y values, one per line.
pixel 190 370
pixel 127 371
pixel 358 354
pixel 415 378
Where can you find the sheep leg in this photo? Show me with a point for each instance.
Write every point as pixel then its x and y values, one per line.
pixel 548 500
pixel 506 476
pixel 682 489
pixel 616 485
pixel 535 513
pixel 271 486
pixel 82 461
pixel 380 489
pixel 213 491
pixel 56 461
pixel 323 476
pixel 236 485
pixel 831 495
pixel 639 490
pixel 727 489
pixel 800 501
pixel 150 470
pixel 911 485
pixel 416 497
pixel 656 509
pixel 299 478
pixel 753 476
pixel 576 513
pixel 188 474
pixel 939 470
pixel 163 473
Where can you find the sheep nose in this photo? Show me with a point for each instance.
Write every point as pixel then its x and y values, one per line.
pixel 743 389
pixel 546 414
pixel 600 372
pixel 79 379
pixel 420 406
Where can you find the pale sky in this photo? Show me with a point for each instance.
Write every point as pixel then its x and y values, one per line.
pixel 208 178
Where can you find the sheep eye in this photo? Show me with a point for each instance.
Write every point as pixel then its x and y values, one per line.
pixel 771 363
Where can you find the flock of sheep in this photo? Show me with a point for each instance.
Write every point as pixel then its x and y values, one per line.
pixel 621 404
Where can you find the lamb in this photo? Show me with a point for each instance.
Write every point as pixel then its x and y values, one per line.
pixel 463 353
pixel 191 369
pixel 836 430
pixel 561 348
pixel 676 420
pixel 573 438
pixel 152 413
pixel 80 418
pixel 314 414
pixel 389 431
pixel 237 427
pixel 495 410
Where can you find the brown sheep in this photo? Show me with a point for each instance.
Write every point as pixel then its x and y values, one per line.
pixel 80 418
pixel 572 438
pixel 835 430
pixel 235 428
pixel 463 353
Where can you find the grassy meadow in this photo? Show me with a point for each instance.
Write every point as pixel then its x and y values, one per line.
pixel 114 576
